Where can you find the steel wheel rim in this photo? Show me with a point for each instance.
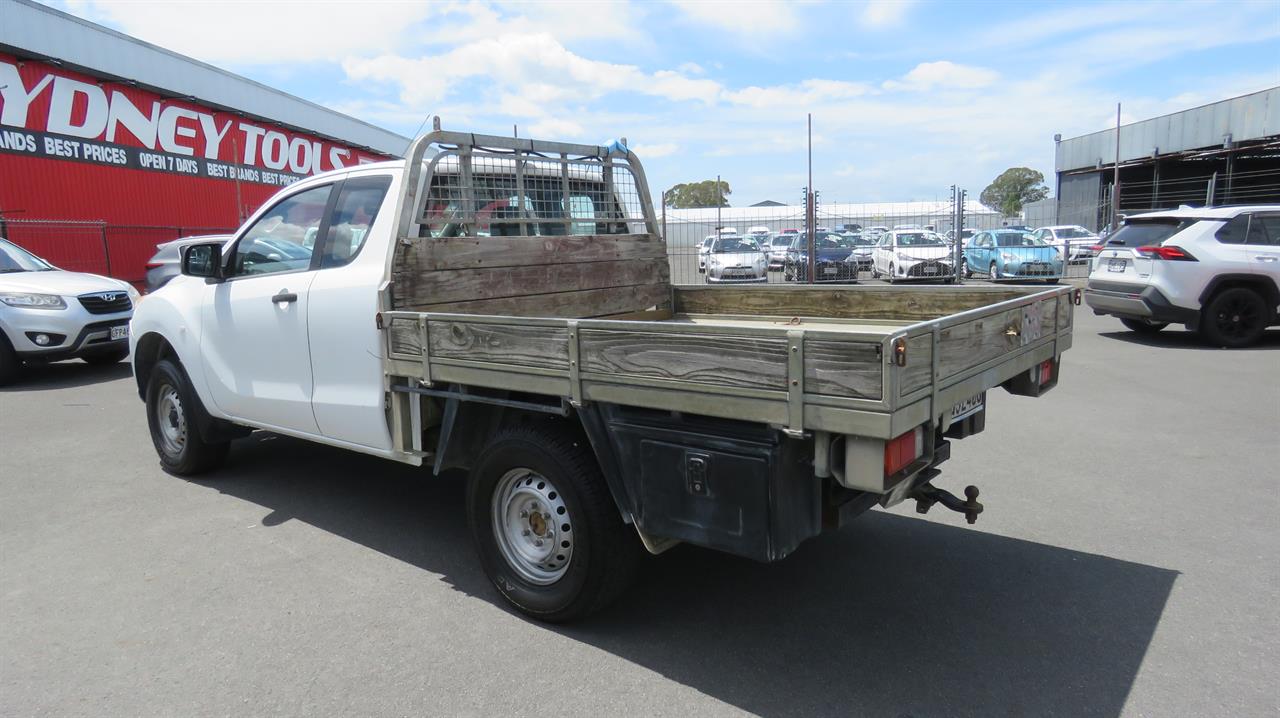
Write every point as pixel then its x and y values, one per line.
pixel 171 419
pixel 1238 317
pixel 532 526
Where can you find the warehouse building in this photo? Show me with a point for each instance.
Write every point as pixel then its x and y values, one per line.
pixel 1224 153
pixel 110 145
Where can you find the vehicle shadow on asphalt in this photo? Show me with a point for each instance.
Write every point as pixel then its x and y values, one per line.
pixel 67 375
pixel 1181 339
pixel 893 616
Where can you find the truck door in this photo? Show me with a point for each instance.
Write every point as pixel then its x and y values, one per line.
pixel 346 351
pixel 254 329
pixel 1263 245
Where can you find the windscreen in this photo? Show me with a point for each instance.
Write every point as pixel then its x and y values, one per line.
pixel 735 244
pixel 1016 239
pixel 16 259
pixel 918 239
pixel 1074 233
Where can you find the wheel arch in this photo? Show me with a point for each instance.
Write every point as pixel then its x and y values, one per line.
pixel 1266 286
pixel 149 350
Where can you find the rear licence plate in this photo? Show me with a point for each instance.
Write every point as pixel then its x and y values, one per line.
pixel 121 332
pixel 1115 265
pixel 969 406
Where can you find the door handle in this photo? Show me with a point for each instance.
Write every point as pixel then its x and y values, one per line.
pixel 1265 258
pixel 284 297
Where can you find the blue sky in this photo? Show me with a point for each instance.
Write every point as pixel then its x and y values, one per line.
pixel 907 97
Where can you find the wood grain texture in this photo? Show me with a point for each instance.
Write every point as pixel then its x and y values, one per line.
pixel 856 302
pixel 565 305
pixel 546 347
pixel 842 369
pixel 404 337
pixel 422 290
pixel 428 255
pixel 711 359
pixel 919 369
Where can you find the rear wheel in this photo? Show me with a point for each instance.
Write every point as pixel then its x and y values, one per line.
pixel 1143 326
pixel 964 269
pixel 1235 317
pixel 10 364
pixel 549 535
pixel 171 412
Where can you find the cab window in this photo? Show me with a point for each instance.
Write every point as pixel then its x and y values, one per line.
pixel 353 215
pixel 282 240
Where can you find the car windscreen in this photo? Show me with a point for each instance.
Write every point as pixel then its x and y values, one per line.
pixel 1074 233
pixel 918 239
pixel 735 244
pixel 1145 232
pixel 16 259
pixel 782 240
pixel 1016 239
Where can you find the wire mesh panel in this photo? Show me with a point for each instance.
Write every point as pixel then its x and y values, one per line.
pixel 479 192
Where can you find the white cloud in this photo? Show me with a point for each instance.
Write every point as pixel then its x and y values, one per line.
pixel 266 32
pixel 885 13
pixel 661 149
pixel 752 18
pixel 804 95
pixel 691 68
pixel 945 75
pixel 534 70
pixel 553 127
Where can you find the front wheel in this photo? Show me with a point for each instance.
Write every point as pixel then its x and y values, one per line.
pixel 993 271
pixel 171 411
pixel 1143 326
pixel 10 364
pixel 1234 318
pixel 549 535
pixel 964 269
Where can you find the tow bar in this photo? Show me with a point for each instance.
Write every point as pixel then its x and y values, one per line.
pixel 926 495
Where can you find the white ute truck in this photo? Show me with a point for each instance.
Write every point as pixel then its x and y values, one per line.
pixel 503 306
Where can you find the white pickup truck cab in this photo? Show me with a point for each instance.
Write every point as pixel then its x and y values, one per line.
pixel 503 306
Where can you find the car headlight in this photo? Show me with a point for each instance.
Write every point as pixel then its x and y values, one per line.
pixel 32 301
pixel 1008 257
pixel 714 261
pixel 904 257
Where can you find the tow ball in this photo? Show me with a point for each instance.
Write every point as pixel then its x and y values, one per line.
pixel 926 495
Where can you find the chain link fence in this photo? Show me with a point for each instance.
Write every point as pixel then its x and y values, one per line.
pixel 113 250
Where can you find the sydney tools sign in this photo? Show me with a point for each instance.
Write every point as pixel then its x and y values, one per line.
pixel 49 112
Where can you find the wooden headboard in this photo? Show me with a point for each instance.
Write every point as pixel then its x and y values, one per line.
pixel 563 276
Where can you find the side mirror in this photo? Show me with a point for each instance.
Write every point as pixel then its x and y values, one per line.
pixel 203 260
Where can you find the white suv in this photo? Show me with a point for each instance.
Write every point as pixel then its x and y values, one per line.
pixel 1215 270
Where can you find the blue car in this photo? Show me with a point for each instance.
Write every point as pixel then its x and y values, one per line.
pixel 833 261
pixel 1011 254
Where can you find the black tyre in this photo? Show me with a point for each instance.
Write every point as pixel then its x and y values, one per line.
pixel 172 408
pixel 113 356
pixel 10 364
pixel 964 269
pixel 993 271
pixel 549 535
pixel 1235 317
pixel 1143 326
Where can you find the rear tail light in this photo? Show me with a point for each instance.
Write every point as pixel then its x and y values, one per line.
pixel 900 452
pixel 154 265
pixel 1046 372
pixel 1175 254
pixel 1096 248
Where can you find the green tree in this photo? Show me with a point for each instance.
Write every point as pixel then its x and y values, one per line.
pixel 1014 188
pixel 698 194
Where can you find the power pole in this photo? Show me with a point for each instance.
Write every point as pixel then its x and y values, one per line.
pixel 811 217
pixel 1115 185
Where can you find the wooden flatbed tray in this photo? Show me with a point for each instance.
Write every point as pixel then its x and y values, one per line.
pixel 801 358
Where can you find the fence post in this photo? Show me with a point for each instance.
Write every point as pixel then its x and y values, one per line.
pixel 106 247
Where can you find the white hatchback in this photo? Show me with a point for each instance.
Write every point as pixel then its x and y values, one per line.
pixel 1214 270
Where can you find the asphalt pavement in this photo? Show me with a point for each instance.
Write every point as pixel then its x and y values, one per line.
pixel 1126 565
